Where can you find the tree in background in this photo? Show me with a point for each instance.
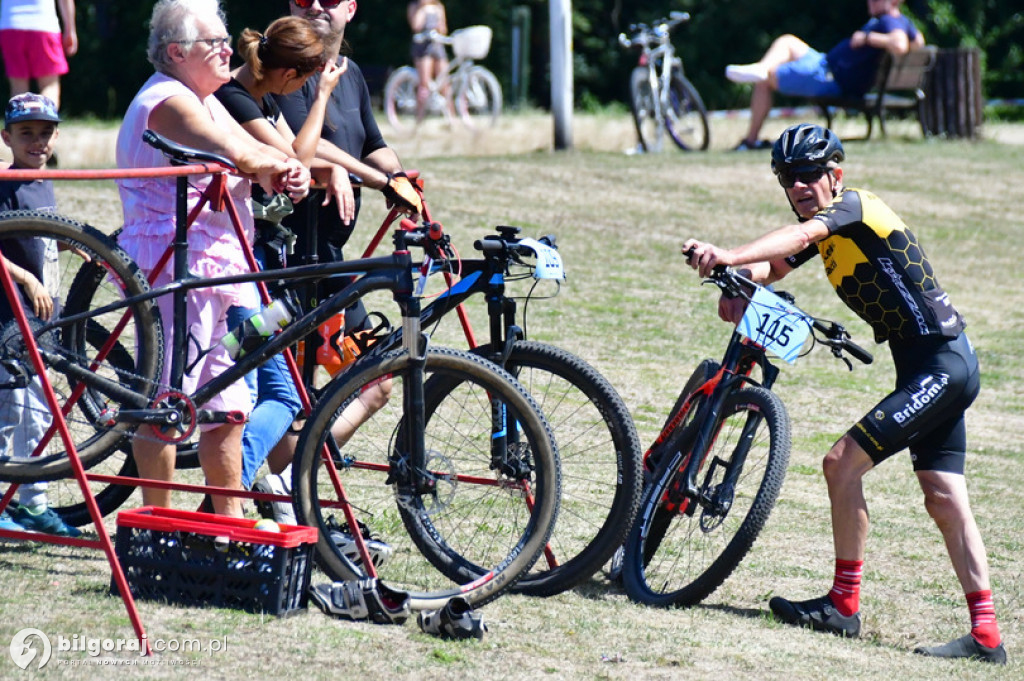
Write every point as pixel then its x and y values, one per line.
pixel 111 62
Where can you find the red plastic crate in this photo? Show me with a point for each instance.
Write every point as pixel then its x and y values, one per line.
pixel 171 555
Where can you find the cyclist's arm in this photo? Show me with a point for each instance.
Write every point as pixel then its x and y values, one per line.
pixel 763 256
pixel 185 121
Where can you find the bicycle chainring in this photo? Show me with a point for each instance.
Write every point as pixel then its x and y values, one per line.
pixel 186 425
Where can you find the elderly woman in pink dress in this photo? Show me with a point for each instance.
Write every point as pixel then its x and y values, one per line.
pixel 190 48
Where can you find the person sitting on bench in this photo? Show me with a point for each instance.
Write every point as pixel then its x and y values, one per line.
pixel 793 67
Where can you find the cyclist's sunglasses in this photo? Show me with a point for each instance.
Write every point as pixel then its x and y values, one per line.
pixel 788 179
pixel 326 4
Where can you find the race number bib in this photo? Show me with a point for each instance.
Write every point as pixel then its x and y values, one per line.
pixel 775 325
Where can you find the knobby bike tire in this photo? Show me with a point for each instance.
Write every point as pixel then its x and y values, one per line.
pixel 477 535
pixel 641 103
pixel 686 119
pixel 400 99
pixel 600 455
pixel 478 98
pixel 679 557
pixel 84 253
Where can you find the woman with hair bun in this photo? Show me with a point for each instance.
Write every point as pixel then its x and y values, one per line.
pixel 279 62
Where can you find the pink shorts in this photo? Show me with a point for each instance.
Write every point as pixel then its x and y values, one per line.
pixel 32 54
pixel 206 311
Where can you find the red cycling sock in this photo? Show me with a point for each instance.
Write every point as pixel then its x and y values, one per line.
pixel 983 619
pixel 845 593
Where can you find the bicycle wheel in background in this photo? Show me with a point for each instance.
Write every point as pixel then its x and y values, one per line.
pixel 478 98
pixel 400 99
pixel 680 551
pixel 476 534
pixel 686 119
pixel 135 342
pixel 641 101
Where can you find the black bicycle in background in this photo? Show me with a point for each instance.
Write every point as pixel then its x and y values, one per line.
pixel 662 99
pixel 456 519
pixel 715 471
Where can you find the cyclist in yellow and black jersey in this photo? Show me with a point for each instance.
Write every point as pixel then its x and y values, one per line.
pixel 879 269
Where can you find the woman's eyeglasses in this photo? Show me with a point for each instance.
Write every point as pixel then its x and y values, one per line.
pixel 214 43
pixel 326 4
pixel 788 179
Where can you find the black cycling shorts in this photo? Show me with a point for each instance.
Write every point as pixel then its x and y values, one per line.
pixel 937 378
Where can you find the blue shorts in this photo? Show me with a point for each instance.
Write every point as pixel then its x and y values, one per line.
pixel 808 76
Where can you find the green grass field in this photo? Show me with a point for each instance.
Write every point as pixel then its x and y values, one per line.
pixel 632 309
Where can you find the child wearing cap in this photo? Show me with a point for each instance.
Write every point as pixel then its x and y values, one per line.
pixel 30 130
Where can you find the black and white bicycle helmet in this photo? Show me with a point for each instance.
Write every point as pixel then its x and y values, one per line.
pixel 806 146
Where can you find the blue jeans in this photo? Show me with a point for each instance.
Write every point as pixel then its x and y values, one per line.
pixel 277 404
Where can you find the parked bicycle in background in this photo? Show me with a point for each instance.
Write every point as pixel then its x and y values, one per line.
pixel 662 99
pixel 475 93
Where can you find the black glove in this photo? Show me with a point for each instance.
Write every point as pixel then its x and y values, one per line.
pixel 399 191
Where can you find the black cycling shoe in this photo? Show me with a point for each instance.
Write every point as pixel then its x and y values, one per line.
pixel 456 620
pixel 966 647
pixel 818 613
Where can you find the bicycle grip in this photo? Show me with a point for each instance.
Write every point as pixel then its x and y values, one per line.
pixel 858 352
pixel 488 245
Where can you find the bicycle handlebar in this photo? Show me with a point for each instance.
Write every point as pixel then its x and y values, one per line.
pixel 833 334
pixel 644 34
pixel 182 155
pixel 507 242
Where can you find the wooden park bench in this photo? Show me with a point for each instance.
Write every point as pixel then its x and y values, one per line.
pixel 899 85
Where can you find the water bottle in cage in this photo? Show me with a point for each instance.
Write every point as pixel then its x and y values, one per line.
pixel 251 333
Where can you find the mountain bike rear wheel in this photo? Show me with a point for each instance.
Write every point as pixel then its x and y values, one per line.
pixel 680 550
pixel 481 528
pixel 88 387
pixel 400 99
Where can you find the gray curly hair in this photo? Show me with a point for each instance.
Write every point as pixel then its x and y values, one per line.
pixel 174 21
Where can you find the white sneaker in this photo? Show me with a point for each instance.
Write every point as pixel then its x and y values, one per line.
pixel 280 511
pixel 746 73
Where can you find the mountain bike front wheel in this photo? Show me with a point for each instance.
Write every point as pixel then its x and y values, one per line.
pixel 681 549
pixel 91 383
pixel 650 128
pixel 600 455
pixel 686 119
pixel 491 511
pixel 478 98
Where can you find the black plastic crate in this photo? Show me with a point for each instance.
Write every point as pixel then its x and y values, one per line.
pixel 172 556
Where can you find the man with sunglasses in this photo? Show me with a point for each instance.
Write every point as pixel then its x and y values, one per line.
pixel 350 136
pixel 880 271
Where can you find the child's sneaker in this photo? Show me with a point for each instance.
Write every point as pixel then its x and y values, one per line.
pixel 6 523
pixel 455 620
pixel 281 511
pixel 45 520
